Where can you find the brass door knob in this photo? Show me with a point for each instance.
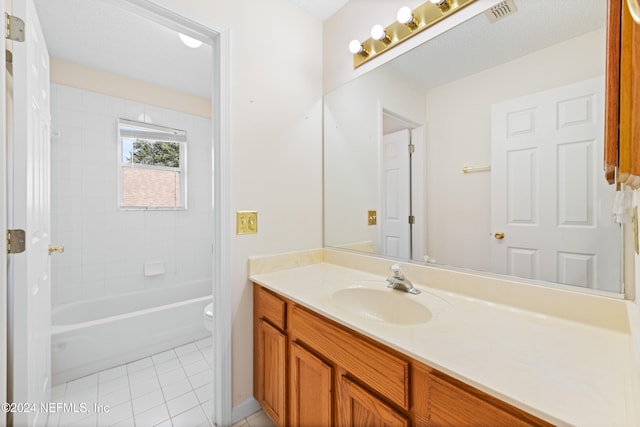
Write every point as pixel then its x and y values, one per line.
pixel 499 235
pixel 59 249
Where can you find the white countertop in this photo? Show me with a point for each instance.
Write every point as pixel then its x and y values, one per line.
pixel 563 371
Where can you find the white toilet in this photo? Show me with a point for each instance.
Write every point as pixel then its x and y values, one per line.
pixel 208 317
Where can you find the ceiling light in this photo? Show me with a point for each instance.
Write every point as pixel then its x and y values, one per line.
pixel 408 23
pixel 190 41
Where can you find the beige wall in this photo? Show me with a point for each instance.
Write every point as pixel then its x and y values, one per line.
pixel 106 83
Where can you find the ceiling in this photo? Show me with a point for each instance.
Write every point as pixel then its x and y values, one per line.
pixel 97 34
pixel 321 9
pixel 479 44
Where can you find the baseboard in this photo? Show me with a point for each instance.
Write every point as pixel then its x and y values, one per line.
pixel 244 409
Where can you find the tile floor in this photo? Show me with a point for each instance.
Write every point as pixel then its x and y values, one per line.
pixel 169 389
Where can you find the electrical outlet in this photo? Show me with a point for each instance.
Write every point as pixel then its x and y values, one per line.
pixel 246 222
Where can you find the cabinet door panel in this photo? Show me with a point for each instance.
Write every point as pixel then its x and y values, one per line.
pixel 357 407
pixel 272 345
pixel 310 389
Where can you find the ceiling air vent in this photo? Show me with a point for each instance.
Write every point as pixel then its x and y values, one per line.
pixel 501 11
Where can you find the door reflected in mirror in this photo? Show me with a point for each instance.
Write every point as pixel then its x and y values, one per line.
pixel 520 103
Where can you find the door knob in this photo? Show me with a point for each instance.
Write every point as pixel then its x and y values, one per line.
pixel 499 235
pixel 59 249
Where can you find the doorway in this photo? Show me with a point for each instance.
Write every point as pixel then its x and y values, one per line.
pixel 402 154
pixel 220 193
pixel 549 201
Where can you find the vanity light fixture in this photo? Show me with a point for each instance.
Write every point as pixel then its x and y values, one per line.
pixel 409 23
pixel 357 48
pixel 378 33
pixel 405 16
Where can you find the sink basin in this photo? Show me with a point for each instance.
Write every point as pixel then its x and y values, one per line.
pixel 382 305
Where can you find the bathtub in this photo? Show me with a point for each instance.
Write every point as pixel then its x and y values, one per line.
pixel 89 336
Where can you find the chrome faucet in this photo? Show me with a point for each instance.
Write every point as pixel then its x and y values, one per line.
pixel 399 282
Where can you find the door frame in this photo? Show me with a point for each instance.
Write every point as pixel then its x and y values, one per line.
pixel 3 226
pixel 418 180
pixel 221 173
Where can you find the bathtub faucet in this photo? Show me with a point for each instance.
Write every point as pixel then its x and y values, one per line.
pixel 399 282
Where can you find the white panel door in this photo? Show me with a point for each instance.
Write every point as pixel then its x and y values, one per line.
pixel 548 197
pixel 29 207
pixel 395 195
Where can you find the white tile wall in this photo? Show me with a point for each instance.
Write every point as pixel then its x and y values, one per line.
pixel 106 248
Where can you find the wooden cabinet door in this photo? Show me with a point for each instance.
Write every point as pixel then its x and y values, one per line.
pixel 622 128
pixel 358 408
pixel 450 405
pixel 271 354
pixel 629 161
pixel 310 389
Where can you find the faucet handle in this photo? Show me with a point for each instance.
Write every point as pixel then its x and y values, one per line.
pixel 397 271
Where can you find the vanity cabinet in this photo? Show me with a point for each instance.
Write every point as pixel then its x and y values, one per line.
pixel 312 371
pixel 270 355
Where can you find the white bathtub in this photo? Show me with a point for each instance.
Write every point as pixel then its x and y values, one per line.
pixel 90 336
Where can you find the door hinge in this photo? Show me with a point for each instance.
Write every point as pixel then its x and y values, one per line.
pixel 412 219
pixel 14 28
pixel 15 241
pixel 412 148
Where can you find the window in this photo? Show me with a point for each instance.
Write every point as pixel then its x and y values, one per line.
pixel 152 166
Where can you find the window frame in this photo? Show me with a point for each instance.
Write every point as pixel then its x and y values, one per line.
pixel 152 132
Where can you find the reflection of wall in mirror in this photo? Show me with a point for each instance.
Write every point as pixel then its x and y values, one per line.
pixel 352 145
pixel 459 133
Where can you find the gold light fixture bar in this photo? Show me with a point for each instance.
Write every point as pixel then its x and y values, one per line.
pixel 424 16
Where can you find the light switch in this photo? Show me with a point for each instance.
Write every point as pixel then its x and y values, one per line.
pixel 372 217
pixel 246 222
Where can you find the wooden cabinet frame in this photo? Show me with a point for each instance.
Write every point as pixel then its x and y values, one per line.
pixel 622 104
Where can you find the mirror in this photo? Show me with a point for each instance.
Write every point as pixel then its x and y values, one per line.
pixel 518 104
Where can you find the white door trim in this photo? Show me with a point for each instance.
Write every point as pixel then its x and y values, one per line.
pixel 418 180
pixel 221 256
pixel 3 227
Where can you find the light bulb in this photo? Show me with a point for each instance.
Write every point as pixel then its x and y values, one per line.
pixel 190 41
pixel 404 16
pixel 443 5
pixel 355 47
pixel 377 32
